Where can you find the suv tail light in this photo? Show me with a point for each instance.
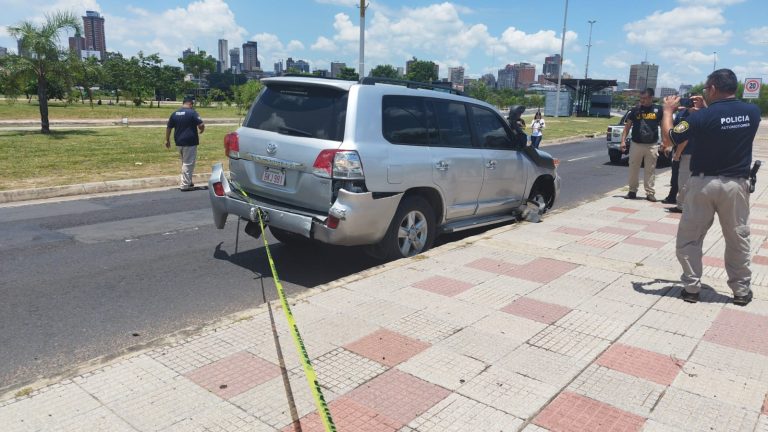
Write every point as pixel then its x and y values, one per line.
pixel 232 145
pixel 339 164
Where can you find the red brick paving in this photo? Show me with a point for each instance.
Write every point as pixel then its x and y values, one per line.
pixel 398 396
pixel 662 228
pixel 570 412
pixel 443 285
pixel 348 416
pixel 598 243
pixel 617 230
pixel 760 205
pixel 541 270
pixel 644 242
pixel 741 330
pixel 765 405
pixel 756 221
pixel 759 259
pixel 387 347
pixel 543 312
pixel 677 216
pixel 492 265
pixel 573 231
pixel 713 261
pixel 641 363
pixel 755 231
pixel 635 221
pixel 233 375
pixel 622 210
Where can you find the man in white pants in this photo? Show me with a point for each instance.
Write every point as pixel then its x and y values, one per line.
pixel 185 122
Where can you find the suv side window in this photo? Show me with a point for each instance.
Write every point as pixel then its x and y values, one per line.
pixel 452 124
pixel 405 120
pixel 305 111
pixel 490 129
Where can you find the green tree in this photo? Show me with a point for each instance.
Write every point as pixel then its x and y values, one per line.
pixel 385 71
pixel 348 73
pixel 245 94
pixel 44 58
pixel 116 69
pixel 225 81
pixel 86 73
pixel 197 64
pixel 479 90
pixel 168 80
pixel 422 71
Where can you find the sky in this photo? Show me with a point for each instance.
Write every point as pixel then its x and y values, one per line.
pixel 686 38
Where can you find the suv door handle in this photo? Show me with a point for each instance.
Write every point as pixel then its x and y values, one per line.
pixel 491 164
pixel 441 166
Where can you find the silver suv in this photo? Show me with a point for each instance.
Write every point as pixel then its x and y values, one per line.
pixel 387 164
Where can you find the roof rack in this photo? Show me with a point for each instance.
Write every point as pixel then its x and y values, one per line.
pixel 312 76
pixel 411 84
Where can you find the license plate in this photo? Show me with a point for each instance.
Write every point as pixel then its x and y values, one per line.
pixel 273 176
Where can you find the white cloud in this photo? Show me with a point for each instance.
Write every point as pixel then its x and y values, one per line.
pixel 616 63
pixel 324 44
pixel 711 2
pixel 349 3
pixel 295 45
pixel 668 28
pixel 739 52
pixel 757 36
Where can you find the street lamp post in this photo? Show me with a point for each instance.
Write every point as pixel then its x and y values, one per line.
pixel 361 68
pixel 589 48
pixel 560 68
pixel 714 60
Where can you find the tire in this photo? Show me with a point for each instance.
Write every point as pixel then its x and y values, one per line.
pixel 288 238
pixel 615 156
pixel 411 231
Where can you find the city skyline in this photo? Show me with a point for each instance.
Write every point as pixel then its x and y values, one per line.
pixel 482 37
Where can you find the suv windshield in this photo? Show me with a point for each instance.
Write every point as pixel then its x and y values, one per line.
pixel 313 112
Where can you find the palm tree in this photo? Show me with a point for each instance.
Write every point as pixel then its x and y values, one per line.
pixel 39 55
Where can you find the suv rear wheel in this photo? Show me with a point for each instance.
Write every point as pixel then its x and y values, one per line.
pixel 411 231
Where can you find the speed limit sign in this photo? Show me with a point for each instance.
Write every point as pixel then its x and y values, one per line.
pixel 752 88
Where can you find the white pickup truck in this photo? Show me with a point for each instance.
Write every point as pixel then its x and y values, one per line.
pixel 613 138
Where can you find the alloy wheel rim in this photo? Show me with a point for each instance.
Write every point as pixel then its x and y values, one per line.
pixel 412 233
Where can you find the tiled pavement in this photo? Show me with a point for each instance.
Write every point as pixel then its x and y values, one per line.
pixel 573 324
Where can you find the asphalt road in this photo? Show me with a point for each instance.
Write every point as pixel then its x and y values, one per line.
pixel 85 278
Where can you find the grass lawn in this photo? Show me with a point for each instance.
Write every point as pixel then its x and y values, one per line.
pixel 57 110
pixel 29 159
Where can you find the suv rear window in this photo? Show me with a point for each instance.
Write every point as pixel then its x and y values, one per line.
pixel 313 112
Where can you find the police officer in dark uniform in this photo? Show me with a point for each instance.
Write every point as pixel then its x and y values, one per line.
pixel 187 125
pixel 724 129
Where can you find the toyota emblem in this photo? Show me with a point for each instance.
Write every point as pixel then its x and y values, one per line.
pixel 271 148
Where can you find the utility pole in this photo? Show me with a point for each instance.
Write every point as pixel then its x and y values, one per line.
pixel 361 67
pixel 714 60
pixel 560 68
pixel 589 48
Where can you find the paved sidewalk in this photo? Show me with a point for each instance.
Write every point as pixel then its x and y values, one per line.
pixel 573 324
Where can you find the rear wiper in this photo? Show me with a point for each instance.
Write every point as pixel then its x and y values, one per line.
pixel 291 131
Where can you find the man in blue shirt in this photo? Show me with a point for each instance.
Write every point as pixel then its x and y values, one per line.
pixel 185 122
pixel 724 130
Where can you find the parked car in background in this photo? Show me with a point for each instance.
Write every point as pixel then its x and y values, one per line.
pixel 386 164
pixel 613 138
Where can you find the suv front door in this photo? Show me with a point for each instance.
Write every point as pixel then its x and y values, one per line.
pixel 504 166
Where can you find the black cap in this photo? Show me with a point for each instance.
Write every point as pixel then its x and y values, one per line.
pixel 189 99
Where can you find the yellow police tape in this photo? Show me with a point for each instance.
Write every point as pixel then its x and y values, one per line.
pixel 309 371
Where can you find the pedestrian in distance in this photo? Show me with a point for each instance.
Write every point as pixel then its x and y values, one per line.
pixel 185 123
pixel 724 130
pixel 537 127
pixel 644 121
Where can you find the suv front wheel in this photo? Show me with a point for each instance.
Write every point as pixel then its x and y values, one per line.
pixel 411 231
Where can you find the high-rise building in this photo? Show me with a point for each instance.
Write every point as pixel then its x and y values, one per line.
pixel 526 75
pixel 93 33
pixel 234 59
pixel 507 77
pixel 251 57
pixel 186 53
pixel 299 65
pixel 489 80
pixel 666 91
pixel 685 89
pixel 77 44
pixel 279 68
pixel 551 66
pixel 643 75
pixel 223 54
pixel 456 76
pixel 336 68
pixel 20 49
